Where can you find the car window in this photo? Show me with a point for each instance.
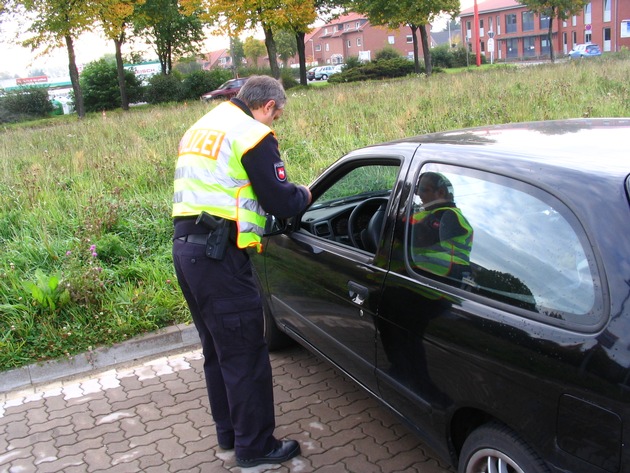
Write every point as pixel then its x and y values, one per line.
pixel 508 241
pixel 343 211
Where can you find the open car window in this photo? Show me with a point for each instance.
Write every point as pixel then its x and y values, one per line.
pixel 344 211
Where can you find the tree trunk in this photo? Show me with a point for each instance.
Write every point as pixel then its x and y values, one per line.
pixel 551 16
pixel 120 68
pixel 426 51
pixel 74 78
pixel 271 52
pixel 416 55
pixel 301 47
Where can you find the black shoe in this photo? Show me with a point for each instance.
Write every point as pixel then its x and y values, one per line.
pixel 226 445
pixel 285 451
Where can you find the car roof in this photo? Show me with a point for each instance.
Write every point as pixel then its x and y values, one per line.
pixel 588 144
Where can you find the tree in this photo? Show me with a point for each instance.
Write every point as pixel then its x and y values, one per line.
pixel 560 9
pixel 417 14
pixel 57 22
pixel 287 46
pixel 254 49
pixel 171 32
pixel 101 88
pixel 115 17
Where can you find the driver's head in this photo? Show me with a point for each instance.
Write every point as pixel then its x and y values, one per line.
pixel 435 186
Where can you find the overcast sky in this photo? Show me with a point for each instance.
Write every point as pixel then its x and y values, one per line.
pixel 90 47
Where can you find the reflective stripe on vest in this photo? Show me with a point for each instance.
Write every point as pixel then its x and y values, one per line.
pixel 439 257
pixel 210 177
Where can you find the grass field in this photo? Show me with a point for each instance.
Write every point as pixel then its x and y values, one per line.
pixel 85 223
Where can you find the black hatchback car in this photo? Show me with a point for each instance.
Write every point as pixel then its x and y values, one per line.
pixel 477 282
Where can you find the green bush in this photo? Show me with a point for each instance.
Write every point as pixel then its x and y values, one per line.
pixel 380 69
pixel 99 84
pixel 388 52
pixel 198 83
pixel 25 103
pixel 445 57
pixel 163 88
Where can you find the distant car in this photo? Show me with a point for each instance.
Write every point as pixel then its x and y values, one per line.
pixel 507 350
pixel 226 91
pixel 324 72
pixel 585 50
pixel 310 74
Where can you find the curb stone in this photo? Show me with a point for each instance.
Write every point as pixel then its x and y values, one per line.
pixel 172 338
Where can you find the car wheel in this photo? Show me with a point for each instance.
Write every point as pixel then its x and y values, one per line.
pixel 324 77
pixel 495 448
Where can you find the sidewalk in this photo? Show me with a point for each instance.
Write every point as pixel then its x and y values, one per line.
pixel 151 415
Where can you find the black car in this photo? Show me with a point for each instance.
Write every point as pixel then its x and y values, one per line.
pixel 502 338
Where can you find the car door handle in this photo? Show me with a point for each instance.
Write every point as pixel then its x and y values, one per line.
pixel 357 293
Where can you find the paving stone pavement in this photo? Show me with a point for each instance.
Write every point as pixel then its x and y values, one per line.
pixel 152 416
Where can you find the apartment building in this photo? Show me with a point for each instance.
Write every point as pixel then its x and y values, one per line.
pixel 508 30
pixel 353 35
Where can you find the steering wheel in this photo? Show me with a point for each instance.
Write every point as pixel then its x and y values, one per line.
pixel 366 238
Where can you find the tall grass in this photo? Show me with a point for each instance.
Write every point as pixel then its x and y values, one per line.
pixel 85 224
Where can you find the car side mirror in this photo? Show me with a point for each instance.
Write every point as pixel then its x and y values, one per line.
pixel 275 226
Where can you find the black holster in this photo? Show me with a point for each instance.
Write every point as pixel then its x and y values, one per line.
pixel 219 234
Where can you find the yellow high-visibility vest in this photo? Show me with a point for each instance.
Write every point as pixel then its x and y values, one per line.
pixel 210 177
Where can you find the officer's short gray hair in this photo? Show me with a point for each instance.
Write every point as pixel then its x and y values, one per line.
pixel 258 90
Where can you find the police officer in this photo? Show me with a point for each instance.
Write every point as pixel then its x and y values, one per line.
pixel 229 172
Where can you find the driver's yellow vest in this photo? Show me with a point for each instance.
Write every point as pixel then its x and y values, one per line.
pixel 210 176
pixel 439 257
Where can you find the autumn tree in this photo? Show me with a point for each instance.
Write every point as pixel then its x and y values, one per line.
pixel 115 17
pixel 254 49
pixel 416 14
pixel 54 23
pixel 560 9
pixel 173 32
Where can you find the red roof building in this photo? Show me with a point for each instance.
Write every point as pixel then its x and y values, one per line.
pixel 353 35
pixel 508 30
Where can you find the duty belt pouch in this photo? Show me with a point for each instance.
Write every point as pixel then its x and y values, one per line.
pixel 217 241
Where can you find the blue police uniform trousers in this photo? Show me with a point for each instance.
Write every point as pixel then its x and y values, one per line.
pixel 227 311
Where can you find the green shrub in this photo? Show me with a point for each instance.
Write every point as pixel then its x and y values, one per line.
pixel 163 88
pixel 25 103
pixel 198 83
pixel 380 69
pixel 388 52
pixel 99 84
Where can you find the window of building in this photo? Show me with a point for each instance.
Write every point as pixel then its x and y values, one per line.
pixel 409 39
pixel 510 23
pixel 529 46
pixel 349 44
pixel 527 18
pixel 339 27
pixel 574 38
pixel 588 36
pixel 391 39
pixel 511 45
pixel 482 46
pixel 318 47
pixel 498 24
pixel 588 8
pixel 327 47
pixel 357 25
pixel 541 264
pixel 468 31
pixel 544 46
pixel 544 22
pixel 574 20
pixel 481 29
pixel 325 31
pixel 607 10
pixel 359 42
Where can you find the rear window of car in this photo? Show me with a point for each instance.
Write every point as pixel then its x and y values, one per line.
pixel 526 249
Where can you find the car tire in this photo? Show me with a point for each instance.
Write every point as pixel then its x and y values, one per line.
pixel 494 447
pixel 324 77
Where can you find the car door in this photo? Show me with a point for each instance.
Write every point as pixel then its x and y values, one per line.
pixel 323 288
